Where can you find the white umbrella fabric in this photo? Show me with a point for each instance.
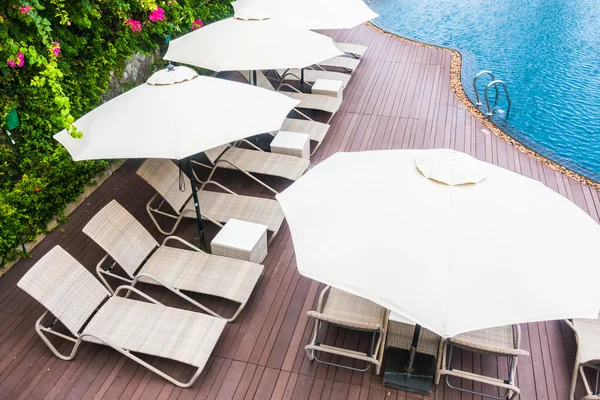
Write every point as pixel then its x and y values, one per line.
pixel 314 14
pixel 453 258
pixel 251 41
pixel 176 114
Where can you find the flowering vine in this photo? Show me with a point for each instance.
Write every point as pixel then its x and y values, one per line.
pixel 197 24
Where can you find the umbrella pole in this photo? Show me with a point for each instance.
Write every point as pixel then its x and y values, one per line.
pixel 302 79
pixel 413 348
pixel 197 206
pixel 254 77
pixel 408 370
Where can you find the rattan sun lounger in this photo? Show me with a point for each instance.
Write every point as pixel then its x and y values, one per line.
pixel 355 50
pixel 217 207
pixel 587 338
pixel 311 75
pixel 308 101
pixel 351 312
pixel 251 162
pixel 503 341
pixel 316 130
pixel 347 63
pixel 142 259
pixel 91 314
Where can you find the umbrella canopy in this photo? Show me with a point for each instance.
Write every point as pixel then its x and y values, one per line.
pixel 176 114
pixel 314 14
pixel 251 41
pixel 451 257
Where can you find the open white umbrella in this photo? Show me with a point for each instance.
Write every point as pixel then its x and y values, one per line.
pixel 454 256
pixel 314 14
pixel 251 41
pixel 176 114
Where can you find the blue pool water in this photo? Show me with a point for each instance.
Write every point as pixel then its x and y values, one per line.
pixel 547 52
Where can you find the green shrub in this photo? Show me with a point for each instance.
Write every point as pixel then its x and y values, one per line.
pixel 56 59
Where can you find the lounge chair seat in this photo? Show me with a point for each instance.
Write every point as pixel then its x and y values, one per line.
pixel 308 101
pixel 311 75
pixel 92 314
pixel 355 50
pixel 347 63
pixel 587 338
pixel 260 162
pixel 316 130
pixel 128 243
pixel 217 207
pixel 351 312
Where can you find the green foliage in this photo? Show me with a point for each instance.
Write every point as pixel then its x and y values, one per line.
pixel 56 57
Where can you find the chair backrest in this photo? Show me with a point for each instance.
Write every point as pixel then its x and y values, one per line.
pixel 62 285
pixel 121 236
pixel 214 153
pixel 261 80
pixel 163 176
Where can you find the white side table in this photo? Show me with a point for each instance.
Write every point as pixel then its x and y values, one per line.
pixel 243 240
pixel 292 143
pixel 328 87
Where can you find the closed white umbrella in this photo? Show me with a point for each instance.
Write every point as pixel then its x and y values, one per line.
pixel 314 14
pixel 451 258
pixel 251 41
pixel 176 114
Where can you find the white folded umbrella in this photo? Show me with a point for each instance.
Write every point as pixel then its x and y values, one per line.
pixel 486 248
pixel 176 114
pixel 314 14
pixel 251 41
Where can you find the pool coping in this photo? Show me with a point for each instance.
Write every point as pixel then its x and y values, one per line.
pixel 459 92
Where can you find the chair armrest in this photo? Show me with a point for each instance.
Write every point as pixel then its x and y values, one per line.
pixel 139 292
pixel 178 239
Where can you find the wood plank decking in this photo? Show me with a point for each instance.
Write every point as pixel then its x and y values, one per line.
pixel 400 97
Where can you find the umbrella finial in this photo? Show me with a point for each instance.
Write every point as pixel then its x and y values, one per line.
pixel 170 67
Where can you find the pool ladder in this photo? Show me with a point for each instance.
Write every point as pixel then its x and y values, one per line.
pixel 494 83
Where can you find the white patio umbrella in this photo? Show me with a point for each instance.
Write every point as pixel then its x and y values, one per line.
pixel 452 243
pixel 176 114
pixel 314 14
pixel 251 41
pixel 453 258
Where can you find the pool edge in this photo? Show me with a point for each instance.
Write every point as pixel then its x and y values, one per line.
pixel 457 86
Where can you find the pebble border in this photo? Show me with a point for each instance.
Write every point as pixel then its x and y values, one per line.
pixel 457 87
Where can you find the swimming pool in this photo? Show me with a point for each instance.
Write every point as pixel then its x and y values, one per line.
pixel 547 52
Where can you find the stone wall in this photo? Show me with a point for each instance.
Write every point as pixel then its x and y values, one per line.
pixel 137 69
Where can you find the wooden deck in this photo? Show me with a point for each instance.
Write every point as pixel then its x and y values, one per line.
pixel 400 97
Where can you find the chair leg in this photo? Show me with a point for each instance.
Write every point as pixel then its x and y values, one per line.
pixel 40 329
pixel 151 211
pixel 441 362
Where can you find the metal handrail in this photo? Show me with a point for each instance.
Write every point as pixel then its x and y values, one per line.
pixel 487 100
pixel 491 74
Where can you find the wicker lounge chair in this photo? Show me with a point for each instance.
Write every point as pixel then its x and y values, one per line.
pixel 129 244
pixel 217 207
pixel 587 338
pixel 355 50
pixel 251 162
pixel 316 130
pixel 351 312
pixel 346 63
pixel 91 314
pixel 308 101
pixel 503 341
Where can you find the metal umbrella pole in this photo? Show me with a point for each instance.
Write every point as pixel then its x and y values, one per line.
pixel 197 206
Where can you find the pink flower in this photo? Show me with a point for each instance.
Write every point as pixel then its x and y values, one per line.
pixel 21 58
pixel 25 9
pixel 197 24
pixel 157 15
pixel 11 63
pixel 136 26
pixel 56 49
